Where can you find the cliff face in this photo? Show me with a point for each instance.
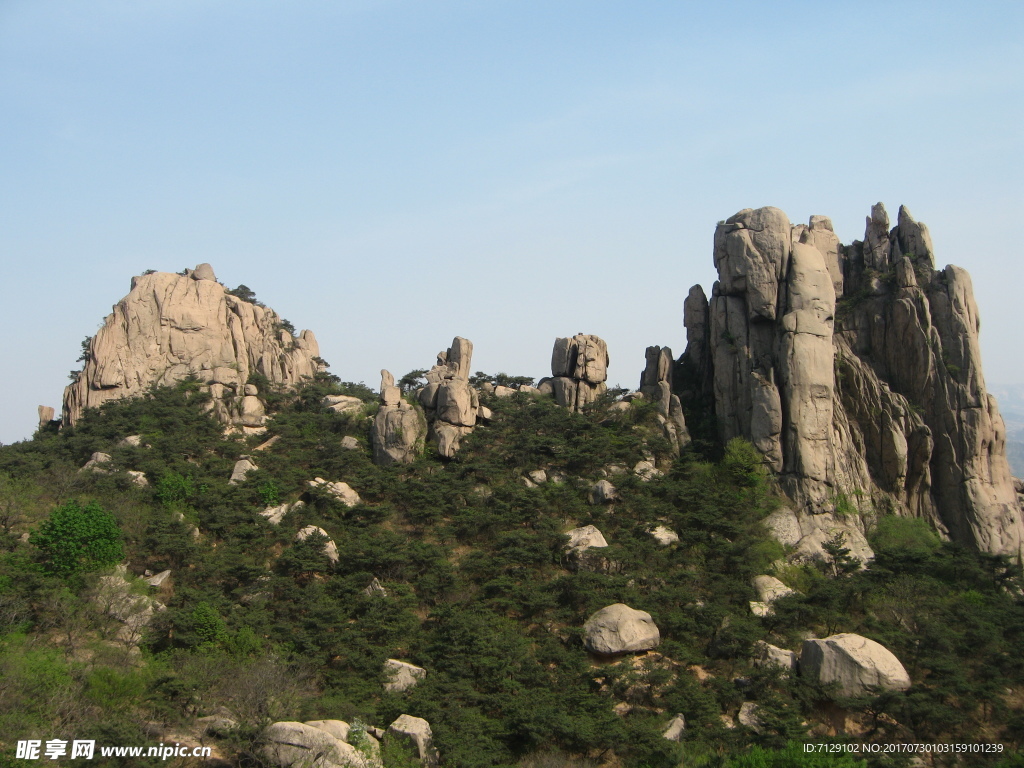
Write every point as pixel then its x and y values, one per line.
pixel 170 327
pixel 856 371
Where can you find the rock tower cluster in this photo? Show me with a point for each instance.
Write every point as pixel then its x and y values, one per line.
pixel 856 371
pixel 450 401
pixel 170 327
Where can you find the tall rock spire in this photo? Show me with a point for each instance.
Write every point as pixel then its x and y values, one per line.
pixel 856 371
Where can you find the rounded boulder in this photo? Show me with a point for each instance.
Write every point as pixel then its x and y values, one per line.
pixel 620 629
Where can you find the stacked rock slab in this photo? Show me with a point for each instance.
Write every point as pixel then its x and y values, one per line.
pixel 877 395
pixel 579 369
pixel 451 403
pixel 170 327
pixel 399 428
pixel 656 385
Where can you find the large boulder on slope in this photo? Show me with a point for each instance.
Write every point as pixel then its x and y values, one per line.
pixel 620 629
pixel 855 663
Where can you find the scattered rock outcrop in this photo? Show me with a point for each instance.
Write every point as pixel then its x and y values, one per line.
pixel 620 629
pixel 401 675
pixel 115 596
pixel 768 655
pixel 292 744
pixel 580 549
pixel 656 385
pixel 338 490
pixel 579 370
pixel 416 731
pixel 242 468
pixel 676 728
pixel 170 327
pixel 664 535
pixel 399 429
pixel 769 589
pixel 330 548
pixel 275 515
pixel 854 369
pixel 603 492
pixel 45 415
pixel 855 663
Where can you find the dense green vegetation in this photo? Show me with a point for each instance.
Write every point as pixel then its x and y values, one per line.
pixel 480 593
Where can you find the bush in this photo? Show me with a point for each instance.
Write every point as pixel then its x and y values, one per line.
pixel 76 540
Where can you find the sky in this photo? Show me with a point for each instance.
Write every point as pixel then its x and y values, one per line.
pixel 393 173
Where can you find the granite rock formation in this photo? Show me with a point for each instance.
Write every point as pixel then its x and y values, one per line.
pixel 857 664
pixel 856 371
pixel 399 428
pixel 656 385
pixel 579 370
pixel 451 403
pixel 620 629
pixel 170 327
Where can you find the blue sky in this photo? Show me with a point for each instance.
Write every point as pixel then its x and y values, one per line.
pixel 391 174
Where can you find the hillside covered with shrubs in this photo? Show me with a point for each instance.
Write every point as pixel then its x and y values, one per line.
pixel 475 583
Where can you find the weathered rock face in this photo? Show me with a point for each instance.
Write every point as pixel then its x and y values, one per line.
pixel 170 327
pixel 854 662
pixel 620 629
pixel 579 369
pixel 656 384
pixel 399 429
pixel 856 371
pixel 451 404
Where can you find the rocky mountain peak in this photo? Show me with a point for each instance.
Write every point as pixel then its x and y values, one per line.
pixel 172 326
pixel 856 371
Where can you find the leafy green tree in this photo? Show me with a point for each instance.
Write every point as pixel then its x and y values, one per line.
pixel 75 539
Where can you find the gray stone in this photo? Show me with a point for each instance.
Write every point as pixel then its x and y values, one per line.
pixel 401 675
pixel 416 731
pixel 676 728
pixel 375 589
pixel 330 548
pixel 747 716
pixel 203 272
pixel 275 515
pixel 620 629
pixel 855 663
pixel 766 654
pixel 242 467
pixel 664 536
pixel 45 415
pixel 95 462
pixel 343 492
pixel 138 478
pixel 159 579
pixel 603 492
pixel 297 745
pixel 350 443
pixel 339 729
pixel 343 403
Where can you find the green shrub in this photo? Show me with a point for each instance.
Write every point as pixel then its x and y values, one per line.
pixel 76 539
